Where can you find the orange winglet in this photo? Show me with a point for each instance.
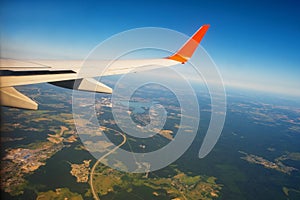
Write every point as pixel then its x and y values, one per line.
pixel 187 50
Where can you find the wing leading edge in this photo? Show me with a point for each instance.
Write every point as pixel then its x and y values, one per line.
pixel 64 73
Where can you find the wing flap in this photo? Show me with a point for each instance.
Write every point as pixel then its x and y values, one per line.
pixel 85 84
pixel 91 85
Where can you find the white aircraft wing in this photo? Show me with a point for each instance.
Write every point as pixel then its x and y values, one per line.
pixel 64 73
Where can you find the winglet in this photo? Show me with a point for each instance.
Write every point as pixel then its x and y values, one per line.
pixel 187 50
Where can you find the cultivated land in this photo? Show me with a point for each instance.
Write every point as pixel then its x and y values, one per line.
pixel 180 186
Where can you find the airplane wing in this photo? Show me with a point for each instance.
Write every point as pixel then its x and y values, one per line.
pixel 64 73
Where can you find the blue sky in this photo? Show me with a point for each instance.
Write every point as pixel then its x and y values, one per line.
pixel 253 43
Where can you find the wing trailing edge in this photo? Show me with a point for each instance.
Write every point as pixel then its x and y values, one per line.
pixel 11 97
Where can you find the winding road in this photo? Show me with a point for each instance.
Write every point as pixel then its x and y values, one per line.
pixel 99 160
